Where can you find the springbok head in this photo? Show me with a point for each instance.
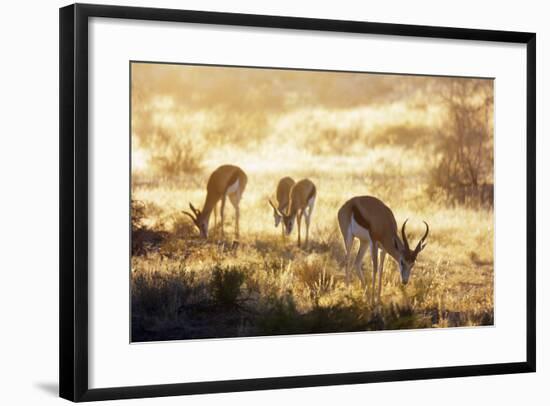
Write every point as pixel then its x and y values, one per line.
pixel 277 216
pixel 407 257
pixel 288 219
pixel 199 220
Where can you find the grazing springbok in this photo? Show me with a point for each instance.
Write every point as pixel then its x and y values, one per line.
pixel 226 181
pixel 302 200
pixel 373 224
pixel 283 198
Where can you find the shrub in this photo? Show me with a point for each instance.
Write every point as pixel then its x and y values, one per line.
pixel 464 165
pixel 313 274
pixel 143 237
pixel 176 157
pixel 137 214
pixel 225 285
pixel 281 317
pixel 160 294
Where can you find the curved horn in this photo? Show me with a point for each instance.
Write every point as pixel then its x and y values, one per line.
pixel 195 211
pixel 426 233
pixel 404 235
pixel 420 245
pixel 279 212
pixel 194 218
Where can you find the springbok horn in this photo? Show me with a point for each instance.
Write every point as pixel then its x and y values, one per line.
pixel 404 235
pixel 195 211
pixel 427 231
pixel 420 244
pixel 279 212
pixel 190 215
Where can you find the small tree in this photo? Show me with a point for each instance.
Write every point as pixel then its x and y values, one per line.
pixel 464 154
pixel 173 156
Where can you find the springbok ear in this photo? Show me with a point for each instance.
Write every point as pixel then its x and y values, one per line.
pixel 423 246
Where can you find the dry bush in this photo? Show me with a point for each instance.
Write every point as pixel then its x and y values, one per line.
pixel 175 157
pixel 137 210
pixel 464 167
pixel 315 277
pixel 143 237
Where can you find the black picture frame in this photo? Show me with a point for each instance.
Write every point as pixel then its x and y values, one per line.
pixel 73 254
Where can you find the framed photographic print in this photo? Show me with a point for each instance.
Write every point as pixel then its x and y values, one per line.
pixel 249 202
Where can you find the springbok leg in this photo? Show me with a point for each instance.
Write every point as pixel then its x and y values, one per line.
pixel 363 245
pixel 380 270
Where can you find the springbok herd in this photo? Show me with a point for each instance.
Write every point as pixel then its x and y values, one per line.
pixel 363 217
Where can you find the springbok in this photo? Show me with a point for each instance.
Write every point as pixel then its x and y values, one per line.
pixel 302 200
pixel 373 224
pixel 226 181
pixel 283 196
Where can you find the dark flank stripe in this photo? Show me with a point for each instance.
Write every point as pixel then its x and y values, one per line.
pixel 359 218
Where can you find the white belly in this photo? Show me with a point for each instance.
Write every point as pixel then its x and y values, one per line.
pixel 233 188
pixel 359 232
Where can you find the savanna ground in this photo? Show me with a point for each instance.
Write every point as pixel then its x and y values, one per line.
pixel 400 139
